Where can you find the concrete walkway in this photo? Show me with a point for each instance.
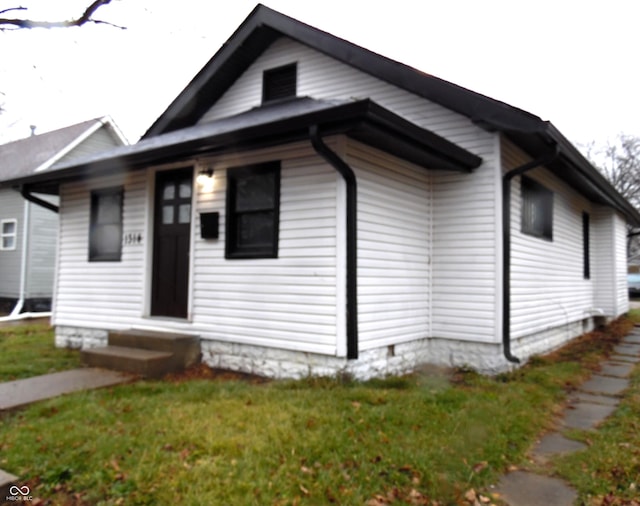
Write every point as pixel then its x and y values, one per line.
pixel 14 394
pixel 594 401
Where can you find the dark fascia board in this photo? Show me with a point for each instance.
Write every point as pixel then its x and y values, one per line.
pixel 264 25
pixel 362 120
pixel 572 167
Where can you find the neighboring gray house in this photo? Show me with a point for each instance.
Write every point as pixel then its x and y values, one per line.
pixel 28 231
pixel 306 206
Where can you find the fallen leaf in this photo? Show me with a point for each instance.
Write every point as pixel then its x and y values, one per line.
pixel 471 496
pixel 480 466
pixel 304 490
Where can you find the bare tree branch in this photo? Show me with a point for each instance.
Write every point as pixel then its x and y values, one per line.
pixel 85 18
pixel 619 162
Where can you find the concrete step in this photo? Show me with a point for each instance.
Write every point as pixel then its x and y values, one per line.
pixel 150 354
pixel 147 363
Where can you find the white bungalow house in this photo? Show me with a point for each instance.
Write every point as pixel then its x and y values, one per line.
pixel 29 224
pixel 306 206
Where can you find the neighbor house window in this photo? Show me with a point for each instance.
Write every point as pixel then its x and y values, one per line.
pixel 8 234
pixel 586 260
pixel 537 209
pixel 279 83
pixel 253 209
pixel 105 230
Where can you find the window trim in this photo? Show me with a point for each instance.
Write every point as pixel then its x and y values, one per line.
pixel 4 235
pixel 268 73
pixel 232 249
pixel 541 195
pixel 586 244
pixel 94 255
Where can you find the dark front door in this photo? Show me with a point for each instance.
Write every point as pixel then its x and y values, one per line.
pixel 172 230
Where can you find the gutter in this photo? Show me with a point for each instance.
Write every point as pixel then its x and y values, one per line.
pixel 38 201
pixel 352 240
pixel 23 262
pixel 506 244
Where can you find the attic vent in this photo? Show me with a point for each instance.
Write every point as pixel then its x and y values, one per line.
pixel 279 83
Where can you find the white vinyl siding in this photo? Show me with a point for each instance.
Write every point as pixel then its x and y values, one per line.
pixel 101 140
pixel 394 248
pixel 466 207
pixel 11 208
pixel 111 293
pixel 322 77
pixel 42 245
pixel 548 288
pixel 287 302
pixel 621 267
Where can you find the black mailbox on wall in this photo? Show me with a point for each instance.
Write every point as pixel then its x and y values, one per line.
pixel 209 225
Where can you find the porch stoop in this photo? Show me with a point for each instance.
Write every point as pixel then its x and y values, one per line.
pixel 150 354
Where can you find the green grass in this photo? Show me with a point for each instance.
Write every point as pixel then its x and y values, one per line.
pixel 608 471
pixel 316 441
pixel 29 350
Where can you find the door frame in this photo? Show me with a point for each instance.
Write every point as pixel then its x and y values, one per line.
pixel 149 235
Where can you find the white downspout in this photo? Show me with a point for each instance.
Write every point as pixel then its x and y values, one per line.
pixel 23 265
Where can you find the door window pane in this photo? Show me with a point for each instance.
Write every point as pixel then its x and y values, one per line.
pixel 184 213
pixel 169 191
pixel 185 189
pixel 167 215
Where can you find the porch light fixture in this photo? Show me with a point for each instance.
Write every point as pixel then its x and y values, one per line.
pixel 205 177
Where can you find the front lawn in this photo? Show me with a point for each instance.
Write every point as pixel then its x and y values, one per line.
pixel 420 439
pixel 29 350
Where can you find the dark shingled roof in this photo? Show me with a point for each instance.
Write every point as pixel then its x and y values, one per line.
pixel 22 157
pixel 270 125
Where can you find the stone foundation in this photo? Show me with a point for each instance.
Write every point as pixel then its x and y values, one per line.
pixel 80 338
pixel 391 360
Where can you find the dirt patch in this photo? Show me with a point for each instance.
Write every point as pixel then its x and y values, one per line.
pixel 203 372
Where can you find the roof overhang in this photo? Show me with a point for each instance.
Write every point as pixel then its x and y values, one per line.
pixel 266 126
pixel 572 167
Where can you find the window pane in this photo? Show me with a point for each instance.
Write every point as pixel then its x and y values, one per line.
pixel 105 231
pixel 184 213
pixel 167 215
pixel 169 191
pixel 185 189
pixel 108 239
pixel 255 192
pixel 255 229
pixel 9 228
pixel 8 242
pixel 108 209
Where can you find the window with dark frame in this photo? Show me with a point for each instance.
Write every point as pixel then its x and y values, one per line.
pixel 253 211
pixel 586 259
pixel 279 83
pixel 105 229
pixel 537 209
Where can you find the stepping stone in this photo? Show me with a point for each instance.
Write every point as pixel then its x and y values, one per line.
pixel 604 385
pixel 527 489
pixel 633 338
pixel 624 358
pixel 607 400
pixel 555 444
pixel 586 416
pixel 617 369
pixel 627 349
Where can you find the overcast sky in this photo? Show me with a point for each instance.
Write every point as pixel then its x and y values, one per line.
pixel 573 62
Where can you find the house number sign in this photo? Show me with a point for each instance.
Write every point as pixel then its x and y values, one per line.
pixel 132 238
